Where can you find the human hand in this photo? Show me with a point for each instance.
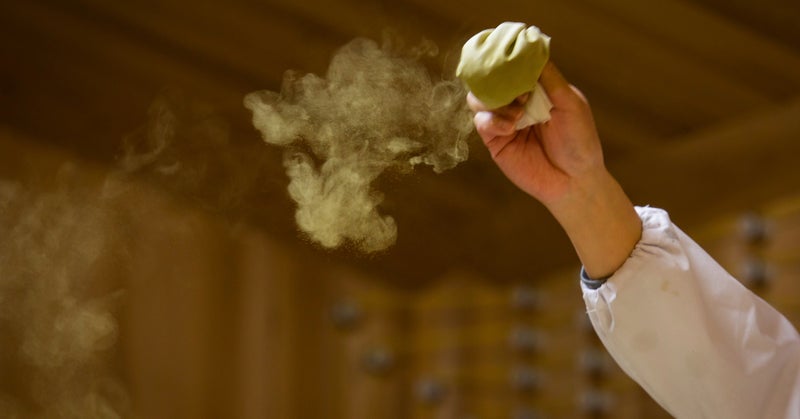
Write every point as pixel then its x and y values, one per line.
pixel 545 160
pixel 560 163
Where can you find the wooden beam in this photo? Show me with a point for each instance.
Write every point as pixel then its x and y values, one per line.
pixel 776 19
pixel 728 47
pixel 732 167
pixel 250 42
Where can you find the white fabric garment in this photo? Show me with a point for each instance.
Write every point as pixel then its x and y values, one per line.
pixel 701 344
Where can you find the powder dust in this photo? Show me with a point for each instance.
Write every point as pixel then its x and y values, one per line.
pixel 378 108
pixel 186 148
pixel 63 255
pixel 56 331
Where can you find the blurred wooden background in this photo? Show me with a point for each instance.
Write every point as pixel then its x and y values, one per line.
pixel 476 312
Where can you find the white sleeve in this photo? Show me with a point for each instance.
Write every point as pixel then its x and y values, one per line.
pixel 701 344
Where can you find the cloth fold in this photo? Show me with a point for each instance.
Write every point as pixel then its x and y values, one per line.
pixel 537 109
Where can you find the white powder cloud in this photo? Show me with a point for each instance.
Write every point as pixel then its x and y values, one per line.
pixel 377 109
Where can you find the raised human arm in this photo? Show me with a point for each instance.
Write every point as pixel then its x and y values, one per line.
pixel 560 163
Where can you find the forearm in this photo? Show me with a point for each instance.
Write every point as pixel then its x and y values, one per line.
pixel 600 221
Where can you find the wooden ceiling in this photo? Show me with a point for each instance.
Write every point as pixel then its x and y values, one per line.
pixel 698 105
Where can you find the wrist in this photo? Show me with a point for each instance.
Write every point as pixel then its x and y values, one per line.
pixel 583 193
pixel 600 221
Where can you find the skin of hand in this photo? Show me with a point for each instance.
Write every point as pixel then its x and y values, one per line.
pixel 560 163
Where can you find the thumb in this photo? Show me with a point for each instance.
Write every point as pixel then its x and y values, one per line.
pixel 558 89
pixel 552 80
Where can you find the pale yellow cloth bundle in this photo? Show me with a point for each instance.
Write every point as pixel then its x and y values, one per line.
pixel 500 64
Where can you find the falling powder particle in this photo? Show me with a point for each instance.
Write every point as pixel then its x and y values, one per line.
pixel 377 109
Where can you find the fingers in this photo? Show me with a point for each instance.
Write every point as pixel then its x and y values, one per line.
pixel 475 104
pixel 491 123
pixel 491 126
pixel 495 133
